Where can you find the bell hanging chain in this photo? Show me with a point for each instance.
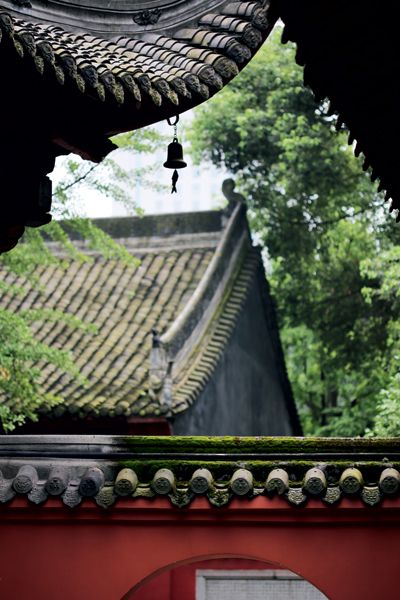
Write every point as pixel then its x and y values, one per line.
pixel 174 155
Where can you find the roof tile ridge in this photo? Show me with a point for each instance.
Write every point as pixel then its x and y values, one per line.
pixel 186 241
pixel 190 381
pixel 150 311
pixel 111 67
pixel 100 476
pixel 115 58
pixel 114 65
pixel 198 54
pixel 183 320
pixel 158 397
pixel 91 350
pixel 109 406
pixel 84 308
pixel 167 310
pixel 195 71
pixel 59 331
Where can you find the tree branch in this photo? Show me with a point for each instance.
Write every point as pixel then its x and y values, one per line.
pixel 78 179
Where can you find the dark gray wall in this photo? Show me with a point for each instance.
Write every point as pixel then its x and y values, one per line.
pixel 246 394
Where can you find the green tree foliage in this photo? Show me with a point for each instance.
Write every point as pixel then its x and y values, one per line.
pixel 20 359
pixel 326 235
pixel 21 355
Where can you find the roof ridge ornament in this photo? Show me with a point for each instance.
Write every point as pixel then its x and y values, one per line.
pixel 228 190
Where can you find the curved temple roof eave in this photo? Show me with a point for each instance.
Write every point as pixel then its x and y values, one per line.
pixel 160 67
pixel 175 55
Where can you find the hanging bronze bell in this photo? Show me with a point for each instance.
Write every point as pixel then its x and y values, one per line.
pixel 175 156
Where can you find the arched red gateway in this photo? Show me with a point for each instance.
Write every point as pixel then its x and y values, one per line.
pixel 93 517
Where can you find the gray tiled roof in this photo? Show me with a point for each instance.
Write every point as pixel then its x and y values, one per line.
pixel 206 269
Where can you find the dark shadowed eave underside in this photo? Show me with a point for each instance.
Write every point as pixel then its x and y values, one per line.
pixel 88 70
pixel 126 66
pixel 350 53
pixel 99 68
pixel 132 76
pixel 108 468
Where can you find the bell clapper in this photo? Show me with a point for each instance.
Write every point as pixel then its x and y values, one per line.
pixel 174 155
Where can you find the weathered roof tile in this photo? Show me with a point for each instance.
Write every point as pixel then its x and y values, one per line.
pixel 131 65
pixel 126 303
pixel 70 468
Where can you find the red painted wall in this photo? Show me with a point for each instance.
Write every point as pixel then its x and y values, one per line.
pixel 350 552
